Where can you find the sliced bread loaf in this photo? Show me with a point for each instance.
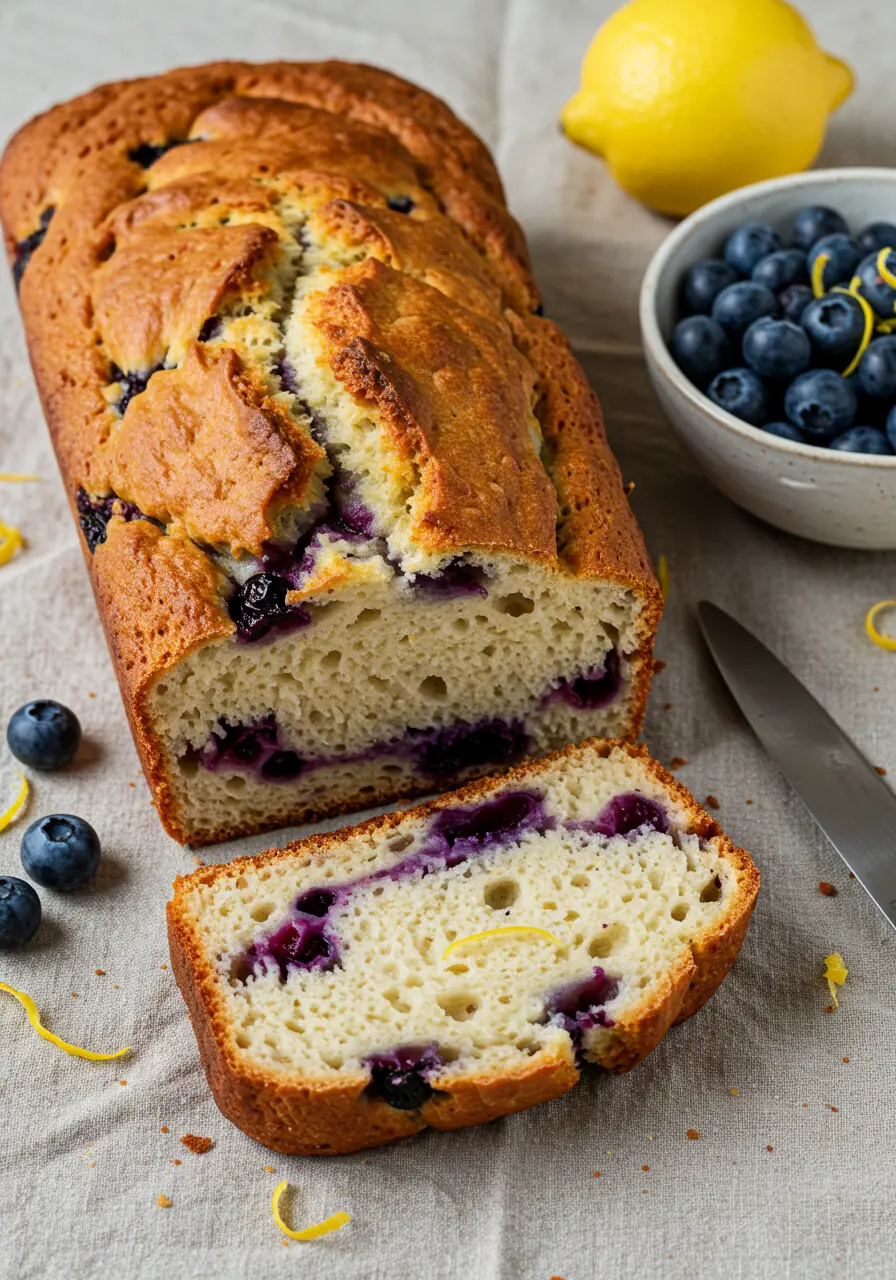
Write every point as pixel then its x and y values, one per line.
pixel 459 961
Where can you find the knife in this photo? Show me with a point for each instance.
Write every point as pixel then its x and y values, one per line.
pixel 851 803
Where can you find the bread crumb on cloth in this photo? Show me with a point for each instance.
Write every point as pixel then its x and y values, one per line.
pixel 199 1146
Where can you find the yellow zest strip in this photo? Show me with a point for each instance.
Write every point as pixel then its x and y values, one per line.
pixel 8 815
pixel 818 267
pixel 835 971
pixel 517 929
pixel 34 1018
pixel 883 270
pixel 884 642
pixel 333 1223
pixel 10 541
pixel 869 324
pixel 14 477
pixel 662 575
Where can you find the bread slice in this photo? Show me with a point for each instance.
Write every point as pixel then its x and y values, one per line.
pixel 342 998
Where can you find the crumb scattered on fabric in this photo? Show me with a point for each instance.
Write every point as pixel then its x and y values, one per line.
pixel 75 995
pixel 829 1008
pixel 645 1168
pixel 667 706
pixel 735 1091
pixel 100 973
pixel 769 1148
pixel 163 966
pixel 198 862
pixel 846 1059
pixel 596 1173
pixel 806 1106
pixel 122 1082
pixel 132 784
pixel 91 694
pixel 825 887
pixel 878 768
pixel 677 762
pixel 852 875
pixel 163 1202
pixel 269 1168
pixel 165 1129
pixel 831 1108
pixel 115 986
pixel 197 1145
pixel 659 666
pixel 693 1134
pixel 748 802
pixel 712 802
pixel 177 1161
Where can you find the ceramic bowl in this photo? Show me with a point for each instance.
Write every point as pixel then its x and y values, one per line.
pixel 844 499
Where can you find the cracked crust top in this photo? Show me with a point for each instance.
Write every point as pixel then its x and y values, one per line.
pixel 161 231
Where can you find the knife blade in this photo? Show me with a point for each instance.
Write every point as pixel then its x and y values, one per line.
pixel 851 803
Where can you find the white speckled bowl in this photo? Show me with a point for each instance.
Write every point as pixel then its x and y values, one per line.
pixel 845 499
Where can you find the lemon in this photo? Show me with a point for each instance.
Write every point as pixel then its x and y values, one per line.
pixel 688 99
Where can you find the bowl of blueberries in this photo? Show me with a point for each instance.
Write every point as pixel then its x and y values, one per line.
pixel 769 326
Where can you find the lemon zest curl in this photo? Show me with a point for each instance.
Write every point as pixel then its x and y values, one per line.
pixel 818 267
pixel 9 815
pixel 333 1223
pixel 882 641
pixel 34 1018
pixel 10 541
pixel 517 929
pixel 835 971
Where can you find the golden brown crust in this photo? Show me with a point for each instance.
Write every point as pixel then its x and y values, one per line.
pixel 340 139
pixel 159 287
pixel 305 1117
pixel 204 448
pixel 438 373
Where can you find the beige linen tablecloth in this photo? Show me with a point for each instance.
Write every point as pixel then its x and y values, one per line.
pixel 794 1170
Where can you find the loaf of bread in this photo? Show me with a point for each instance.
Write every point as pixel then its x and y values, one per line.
pixel 459 961
pixel 350 515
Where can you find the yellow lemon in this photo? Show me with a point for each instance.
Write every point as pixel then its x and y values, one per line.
pixel 688 99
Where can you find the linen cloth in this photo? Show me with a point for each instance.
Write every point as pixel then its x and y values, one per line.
pixel 793 1173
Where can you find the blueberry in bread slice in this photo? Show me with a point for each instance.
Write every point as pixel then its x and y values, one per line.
pixel 462 960
pixel 350 514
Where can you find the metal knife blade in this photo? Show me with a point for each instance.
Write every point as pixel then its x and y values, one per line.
pixel 851 803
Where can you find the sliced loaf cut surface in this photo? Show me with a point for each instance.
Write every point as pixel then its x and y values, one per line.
pixel 459 961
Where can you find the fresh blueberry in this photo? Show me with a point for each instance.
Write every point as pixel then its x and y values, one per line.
pixel 776 348
pixel 811 224
pixel 748 243
pixel 835 324
pixel 821 404
pixel 793 301
pixel 874 287
pixel 890 427
pixel 61 851
pixel 740 304
pixel 877 236
pixel 780 269
pixel 843 256
pixel 43 734
pixel 877 370
pixel 701 348
pixel 19 913
pixel 785 430
pixel 742 393
pixel 704 281
pixel 861 440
